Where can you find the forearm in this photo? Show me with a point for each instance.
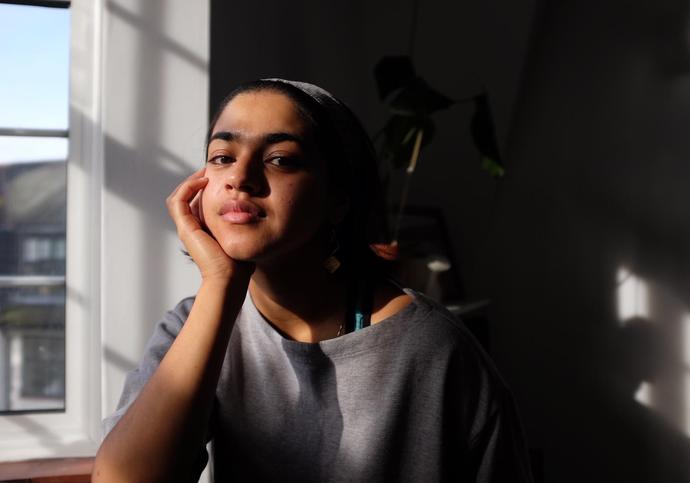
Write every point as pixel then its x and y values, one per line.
pixel 160 436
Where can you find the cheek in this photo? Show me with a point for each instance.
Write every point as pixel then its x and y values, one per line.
pixel 309 208
pixel 210 196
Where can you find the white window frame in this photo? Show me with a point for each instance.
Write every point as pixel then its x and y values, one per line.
pixel 76 431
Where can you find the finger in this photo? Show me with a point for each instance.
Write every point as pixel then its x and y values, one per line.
pixel 195 204
pixel 188 189
pixel 178 203
pixel 199 173
pixel 200 207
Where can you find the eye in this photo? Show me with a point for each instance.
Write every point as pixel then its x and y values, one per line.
pixel 221 159
pixel 284 161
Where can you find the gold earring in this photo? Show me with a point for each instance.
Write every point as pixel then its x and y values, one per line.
pixel 332 264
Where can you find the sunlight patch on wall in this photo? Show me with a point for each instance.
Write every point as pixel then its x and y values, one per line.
pixel 687 404
pixel 655 321
pixel 686 369
pixel 632 295
pixel 686 341
pixel 643 395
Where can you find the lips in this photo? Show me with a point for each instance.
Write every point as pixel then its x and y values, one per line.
pixel 240 212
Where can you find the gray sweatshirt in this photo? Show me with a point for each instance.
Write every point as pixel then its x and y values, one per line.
pixel 411 398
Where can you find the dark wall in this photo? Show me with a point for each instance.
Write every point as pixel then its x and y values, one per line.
pixel 587 260
pixel 459 47
pixel 591 103
pixel 318 42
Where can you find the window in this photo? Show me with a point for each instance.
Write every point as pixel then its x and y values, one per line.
pixel 33 158
pixel 139 60
pixel 50 185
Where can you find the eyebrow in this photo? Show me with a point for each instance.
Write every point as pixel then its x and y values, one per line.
pixel 270 138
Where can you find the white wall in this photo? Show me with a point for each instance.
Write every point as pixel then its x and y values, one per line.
pixel 155 116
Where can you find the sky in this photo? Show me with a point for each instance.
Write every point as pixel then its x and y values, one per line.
pixel 34 80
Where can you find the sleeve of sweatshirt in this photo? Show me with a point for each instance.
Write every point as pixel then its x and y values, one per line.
pixel 162 338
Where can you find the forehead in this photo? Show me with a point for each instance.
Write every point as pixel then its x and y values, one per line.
pixel 260 112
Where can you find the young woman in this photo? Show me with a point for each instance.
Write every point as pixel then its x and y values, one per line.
pixel 297 357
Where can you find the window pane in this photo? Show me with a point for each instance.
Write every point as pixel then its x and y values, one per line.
pixel 16 149
pixel 32 346
pixel 32 286
pixel 34 53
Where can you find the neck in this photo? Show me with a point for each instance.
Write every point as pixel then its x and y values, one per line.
pixel 300 298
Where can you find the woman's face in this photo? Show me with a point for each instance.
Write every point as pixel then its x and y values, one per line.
pixel 268 190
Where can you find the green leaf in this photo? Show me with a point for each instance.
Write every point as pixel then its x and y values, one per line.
pixel 398 138
pixel 484 136
pixel 493 168
pixel 416 98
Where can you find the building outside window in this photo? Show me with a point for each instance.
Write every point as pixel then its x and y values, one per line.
pixel 34 100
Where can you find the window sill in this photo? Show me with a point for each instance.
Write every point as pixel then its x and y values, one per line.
pixel 54 470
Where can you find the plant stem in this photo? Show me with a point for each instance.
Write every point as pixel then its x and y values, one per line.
pixel 406 183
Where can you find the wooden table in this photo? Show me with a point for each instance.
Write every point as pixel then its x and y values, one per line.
pixel 58 470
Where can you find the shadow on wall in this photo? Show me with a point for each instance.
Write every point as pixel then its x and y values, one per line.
pixel 589 258
pixel 151 108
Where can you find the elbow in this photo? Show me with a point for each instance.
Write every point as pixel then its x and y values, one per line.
pixel 104 469
pixel 108 468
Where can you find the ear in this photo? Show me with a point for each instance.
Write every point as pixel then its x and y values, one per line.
pixel 340 205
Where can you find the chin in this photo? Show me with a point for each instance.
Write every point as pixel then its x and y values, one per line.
pixel 249 250
pixel 241 253
pixel 260 254
pixel 263 248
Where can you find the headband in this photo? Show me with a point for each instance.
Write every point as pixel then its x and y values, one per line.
pixel 354 140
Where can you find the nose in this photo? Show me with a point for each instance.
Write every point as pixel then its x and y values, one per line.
pixel 244 175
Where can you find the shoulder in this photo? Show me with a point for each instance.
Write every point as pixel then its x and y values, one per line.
pixel 433 324
pixel 167 328
pixel 445 358
pixel 482 408
pixel 433 332
pixel 161 339
pixel 174 319
pixel 388 301
pixel 182 309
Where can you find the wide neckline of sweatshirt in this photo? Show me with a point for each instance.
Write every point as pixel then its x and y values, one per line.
pixel 386 332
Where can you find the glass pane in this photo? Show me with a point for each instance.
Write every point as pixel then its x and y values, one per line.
pixel 32 270
pixel 34 55
pixel 32 347
pixel 16 149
